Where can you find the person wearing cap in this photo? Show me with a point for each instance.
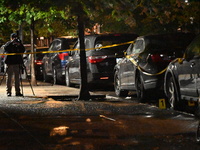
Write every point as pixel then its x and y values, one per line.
pixel 14 63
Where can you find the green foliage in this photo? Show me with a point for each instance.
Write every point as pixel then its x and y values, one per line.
pixel 54 18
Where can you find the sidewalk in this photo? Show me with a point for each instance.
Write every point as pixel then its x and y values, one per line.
pixel 26 122
pixel 43 90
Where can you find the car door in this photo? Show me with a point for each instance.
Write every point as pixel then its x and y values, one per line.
pixel 47 60
pixel 74 64
pixel 123 67
pixel 189 72
pixel 132 62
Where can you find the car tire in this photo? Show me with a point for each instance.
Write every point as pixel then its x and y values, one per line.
pixel 172 94
pixel 67 79
pixel 140 91
pixel 118 91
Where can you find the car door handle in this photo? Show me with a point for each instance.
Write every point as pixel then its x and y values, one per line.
pixel 192 64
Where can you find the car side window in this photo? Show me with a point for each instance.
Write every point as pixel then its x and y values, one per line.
pixel 76 46
pixel 54 47
pixel 51 47
pixel 129 50
pixel 58 45
pixel 87 43
pixel 138 46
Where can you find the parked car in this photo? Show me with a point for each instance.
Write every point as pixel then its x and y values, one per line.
pixel 37 62
pixel 142 69
pixel 100 61
pixel 182 78
pixel 54 63
pixel 2 64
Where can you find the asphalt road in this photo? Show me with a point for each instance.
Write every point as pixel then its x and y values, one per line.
pixel 42 122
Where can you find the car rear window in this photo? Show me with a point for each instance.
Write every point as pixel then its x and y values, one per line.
pixel 176 45
pixel 40 55
pixel 108 41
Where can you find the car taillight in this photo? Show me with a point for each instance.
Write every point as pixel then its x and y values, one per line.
pixel 62 56
pixel 38 62
pixel 160 58
pixel 96 59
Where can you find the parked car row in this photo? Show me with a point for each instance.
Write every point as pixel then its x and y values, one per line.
pixel 142 69
pixel 148 66
pixel 161 66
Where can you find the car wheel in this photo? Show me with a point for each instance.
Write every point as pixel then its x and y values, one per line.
pixel 172 93
pixel 55 81
pixel 140 91
pixel 67 78
pixel 118 91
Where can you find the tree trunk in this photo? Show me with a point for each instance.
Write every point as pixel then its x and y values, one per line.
pixel 21 33
pixel 84 92
pixel 33 78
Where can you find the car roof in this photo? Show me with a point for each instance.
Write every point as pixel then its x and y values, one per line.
pixel 167 36
pixel 170 39
pixel 94 36
pixel 64 39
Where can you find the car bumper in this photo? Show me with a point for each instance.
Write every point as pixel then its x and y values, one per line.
pixel 100 79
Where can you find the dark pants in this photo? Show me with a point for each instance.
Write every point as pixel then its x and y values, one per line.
pixel 13 70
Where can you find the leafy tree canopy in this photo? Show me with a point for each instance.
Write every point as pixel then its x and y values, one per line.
pixel 140 16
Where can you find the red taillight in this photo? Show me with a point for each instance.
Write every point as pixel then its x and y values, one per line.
pixel 117 35
pixel 160 58
pixel 96 59
pixel 38 62
pixel 62 56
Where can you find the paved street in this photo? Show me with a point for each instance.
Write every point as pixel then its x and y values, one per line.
pixel 48 121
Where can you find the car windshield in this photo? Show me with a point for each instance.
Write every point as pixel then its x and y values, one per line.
pixel 193 49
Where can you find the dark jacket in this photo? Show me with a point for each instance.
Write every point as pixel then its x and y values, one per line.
pixel 14 47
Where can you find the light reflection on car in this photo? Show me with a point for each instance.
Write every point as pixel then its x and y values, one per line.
pixel 142 69
pixel 182 78
pixel 101 59
pixel 37 62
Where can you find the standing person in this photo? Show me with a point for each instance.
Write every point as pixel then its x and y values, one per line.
pixel 14 63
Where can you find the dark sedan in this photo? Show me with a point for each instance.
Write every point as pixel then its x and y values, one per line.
pixel 54 63
pixel 182 78
pixel 37 62
pixel 102 53
pixel 145 63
